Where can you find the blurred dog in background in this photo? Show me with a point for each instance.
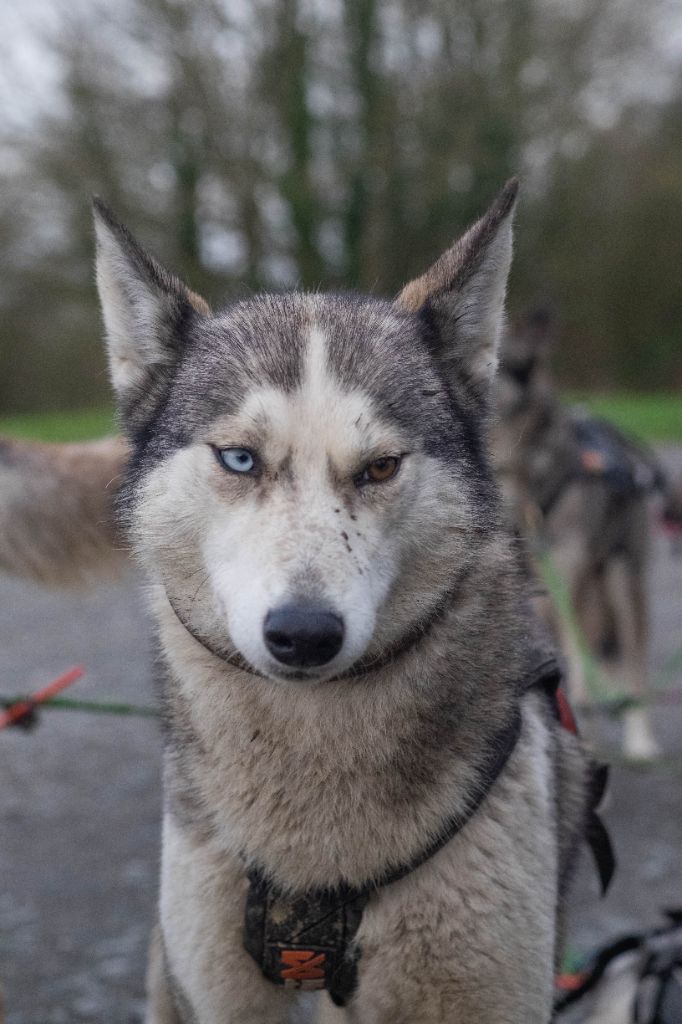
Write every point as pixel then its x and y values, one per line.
pixel 57 510
pixel 579 490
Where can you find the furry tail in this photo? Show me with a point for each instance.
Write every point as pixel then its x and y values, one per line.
pixel 57 522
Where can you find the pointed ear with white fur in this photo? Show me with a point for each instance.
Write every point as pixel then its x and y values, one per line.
pixel 146 311
pixel 463 293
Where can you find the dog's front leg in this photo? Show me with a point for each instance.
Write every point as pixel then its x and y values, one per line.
pixel 456 965
pixel 161 1008
pixel 209 978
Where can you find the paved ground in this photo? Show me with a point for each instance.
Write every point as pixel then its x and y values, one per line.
pixel 79 807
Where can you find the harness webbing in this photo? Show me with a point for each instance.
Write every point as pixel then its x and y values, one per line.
pixel 657 972
pixel 307 942
pixel 596 834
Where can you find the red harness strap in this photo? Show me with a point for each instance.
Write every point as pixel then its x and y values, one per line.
pixel 547 676
pixel 565 712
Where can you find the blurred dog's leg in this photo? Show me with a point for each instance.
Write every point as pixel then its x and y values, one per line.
pixel 628 599
pixel 570 558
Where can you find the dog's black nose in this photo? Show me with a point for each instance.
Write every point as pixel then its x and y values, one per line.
pixel 303 636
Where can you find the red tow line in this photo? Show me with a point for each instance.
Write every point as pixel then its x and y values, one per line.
pixel 22 708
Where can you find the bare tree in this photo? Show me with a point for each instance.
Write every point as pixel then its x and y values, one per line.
pixel 343 143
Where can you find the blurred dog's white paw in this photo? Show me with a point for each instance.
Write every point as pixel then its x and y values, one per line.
pixel 639 743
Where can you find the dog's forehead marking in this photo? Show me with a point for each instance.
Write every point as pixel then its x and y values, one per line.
pixel 315 375
pixel 318 419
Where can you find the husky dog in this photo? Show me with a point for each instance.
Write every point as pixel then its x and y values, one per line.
pixel 57 522
pixel 633 979
pixel 580 489
pixel 345 632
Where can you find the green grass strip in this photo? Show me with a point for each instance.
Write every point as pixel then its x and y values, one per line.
pixel 652 417
pixel 82 425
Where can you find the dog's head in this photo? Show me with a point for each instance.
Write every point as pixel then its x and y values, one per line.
pixel 525 372
pixel 309 484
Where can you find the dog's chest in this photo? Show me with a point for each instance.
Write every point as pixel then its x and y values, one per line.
pixel 313 798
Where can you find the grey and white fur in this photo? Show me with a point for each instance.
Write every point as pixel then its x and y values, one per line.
pixel 321 460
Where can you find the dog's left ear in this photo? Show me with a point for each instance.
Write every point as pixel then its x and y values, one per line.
pixel 144 308
pixel 463 295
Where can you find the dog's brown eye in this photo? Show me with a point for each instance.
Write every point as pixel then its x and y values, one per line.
pixel 380 470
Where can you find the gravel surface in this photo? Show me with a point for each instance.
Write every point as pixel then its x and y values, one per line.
pixel 80 799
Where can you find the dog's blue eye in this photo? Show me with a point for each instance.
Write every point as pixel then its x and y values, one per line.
pixel 237 460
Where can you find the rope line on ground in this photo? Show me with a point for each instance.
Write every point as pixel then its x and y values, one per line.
pixel 92 706
pixel 22 710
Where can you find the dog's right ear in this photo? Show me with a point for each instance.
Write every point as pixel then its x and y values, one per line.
pixel 145 310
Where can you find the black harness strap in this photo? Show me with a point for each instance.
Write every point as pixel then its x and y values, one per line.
pixel 657 970
pixel 596 833
pixel 307 941
pixel 500 753
pixel 601 452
